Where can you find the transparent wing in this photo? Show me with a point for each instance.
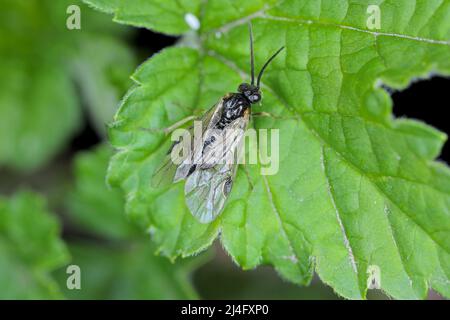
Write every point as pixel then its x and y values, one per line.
pixel 207 188
pixel 221 145
pixel 164 175
pixel 169 172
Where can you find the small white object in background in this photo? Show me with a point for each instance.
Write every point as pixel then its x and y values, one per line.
pixel 192 21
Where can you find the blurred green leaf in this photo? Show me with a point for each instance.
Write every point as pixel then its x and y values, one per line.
pixel 30 248
pixel 220 278
pixel 121 264
pixel 128 272
pixel 356 188
pixel 43 65
pixel 91 204
pixel 102 70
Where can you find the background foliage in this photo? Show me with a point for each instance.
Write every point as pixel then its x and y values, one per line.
pixel 48 71
pixel 356 186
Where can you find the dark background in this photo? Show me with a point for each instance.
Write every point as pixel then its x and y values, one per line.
pixel 427 101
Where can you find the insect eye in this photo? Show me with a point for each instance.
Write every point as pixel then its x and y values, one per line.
pixel 242 87
pixel 255 98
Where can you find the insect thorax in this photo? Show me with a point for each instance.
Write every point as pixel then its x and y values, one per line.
pixel 234 106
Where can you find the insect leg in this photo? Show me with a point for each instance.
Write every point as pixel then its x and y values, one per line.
pixel 244 165
pixel 267 114
pixel 172 127
pixel 263 114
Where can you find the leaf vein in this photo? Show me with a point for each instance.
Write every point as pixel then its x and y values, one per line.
pixel 338 217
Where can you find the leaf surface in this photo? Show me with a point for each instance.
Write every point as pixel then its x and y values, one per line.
pixel 356 189
pixel 30 248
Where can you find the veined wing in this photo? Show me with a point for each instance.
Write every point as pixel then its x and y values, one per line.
pixel 223 145
pixel 208 187
pixel 169 172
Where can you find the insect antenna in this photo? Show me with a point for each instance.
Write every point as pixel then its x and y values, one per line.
pixel 266 64
pixel 252 56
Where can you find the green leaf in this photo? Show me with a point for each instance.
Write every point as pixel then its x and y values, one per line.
pixel 125 265
pixel 130 272
pixel 91 204
pixel 43 65
pixel 356 188
pixel 174 17
pixel 30 248
pixel 160 15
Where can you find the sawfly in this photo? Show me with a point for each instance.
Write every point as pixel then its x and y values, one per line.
pixel 209 163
